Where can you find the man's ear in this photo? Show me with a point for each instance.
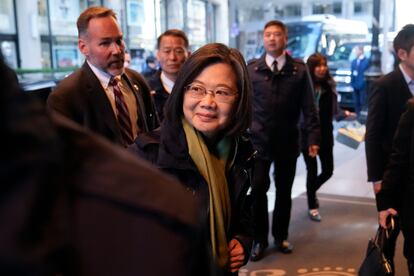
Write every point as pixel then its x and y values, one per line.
pixel 402 54
pixel 83 46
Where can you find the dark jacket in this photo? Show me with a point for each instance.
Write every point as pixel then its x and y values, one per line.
pixel 386 103
pixel 357 73
pixel 278 102
pixel 398 183
pixel 327 109
pixel 73 203
pixel 81 98
pixel 159 93
pixel 168 150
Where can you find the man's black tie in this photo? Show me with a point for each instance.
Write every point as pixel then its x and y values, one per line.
pixel 274 67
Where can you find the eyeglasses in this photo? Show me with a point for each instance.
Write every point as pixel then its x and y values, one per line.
pixel 221 94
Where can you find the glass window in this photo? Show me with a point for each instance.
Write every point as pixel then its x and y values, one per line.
pixel 196 23
pixel 293 10
pixel 332 8
pixel 9 51
pixel 7 23
pixel 302 38
pixel 337 8
pixel 362 7
pixel 174 14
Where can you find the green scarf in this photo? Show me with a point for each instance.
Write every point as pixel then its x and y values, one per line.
pixel 212 166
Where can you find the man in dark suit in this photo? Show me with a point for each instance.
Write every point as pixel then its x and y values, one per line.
pixel 73 203
pixel 396 195
pixel 282 91
pixel 102 95
pixel 386 103
pixel 172 52
pixel 358 67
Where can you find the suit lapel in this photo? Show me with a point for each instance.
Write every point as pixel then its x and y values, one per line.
pixel 142 123
pixel 98 101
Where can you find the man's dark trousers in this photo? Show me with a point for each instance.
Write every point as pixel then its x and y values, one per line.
pixel 284 175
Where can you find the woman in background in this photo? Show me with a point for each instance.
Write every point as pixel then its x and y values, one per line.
pixel 326 104
pixel 202 142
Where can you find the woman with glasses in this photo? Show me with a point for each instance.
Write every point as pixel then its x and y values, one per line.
pixel 203 143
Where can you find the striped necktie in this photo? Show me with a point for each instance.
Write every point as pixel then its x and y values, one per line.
pixel 124 120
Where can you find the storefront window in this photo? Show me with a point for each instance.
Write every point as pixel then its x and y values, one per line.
pixel 7 23
pixel 141 31
pixel 8 37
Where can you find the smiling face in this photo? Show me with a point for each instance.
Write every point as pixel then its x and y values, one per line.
pixel 208 115
pixel 274 40
pixel 103 45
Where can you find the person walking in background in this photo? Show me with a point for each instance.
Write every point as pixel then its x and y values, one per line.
pixel 202 142
pixel 102 95
pixel 151 66
pixel 282 90
pixel 172 52
pixel 358 67
pixel 397 192
pixel 386 103
pixel 327 107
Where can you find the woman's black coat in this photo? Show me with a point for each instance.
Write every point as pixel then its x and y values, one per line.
pixel 167 149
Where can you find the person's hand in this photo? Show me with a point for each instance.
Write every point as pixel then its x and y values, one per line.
pixel 350 114
pixel 236 255
pixel 313 150
pixel 382 216
pixel 376 185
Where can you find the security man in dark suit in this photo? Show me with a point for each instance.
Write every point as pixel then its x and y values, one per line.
pixel 102 95
pixel 282 90
pixel 397 191
pixel 172 52
pixel 386 103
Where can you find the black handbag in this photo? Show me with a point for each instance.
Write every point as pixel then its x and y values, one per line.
pixel 375 262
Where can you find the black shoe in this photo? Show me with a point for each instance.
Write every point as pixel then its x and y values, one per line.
pixel 257 251
pixel 284 246
pixel 314 215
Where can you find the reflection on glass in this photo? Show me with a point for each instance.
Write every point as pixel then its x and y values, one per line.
pixel 7 17
pixel 303 37
pixel 8 49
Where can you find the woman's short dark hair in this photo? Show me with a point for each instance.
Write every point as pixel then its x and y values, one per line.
pixel 205 56
pixel 313 61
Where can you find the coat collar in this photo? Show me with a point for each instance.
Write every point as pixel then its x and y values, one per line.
pixel 288 67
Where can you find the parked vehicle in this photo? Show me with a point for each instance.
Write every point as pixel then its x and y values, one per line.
pixel 316 33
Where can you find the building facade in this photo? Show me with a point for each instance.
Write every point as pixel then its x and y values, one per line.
pixel 41 36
